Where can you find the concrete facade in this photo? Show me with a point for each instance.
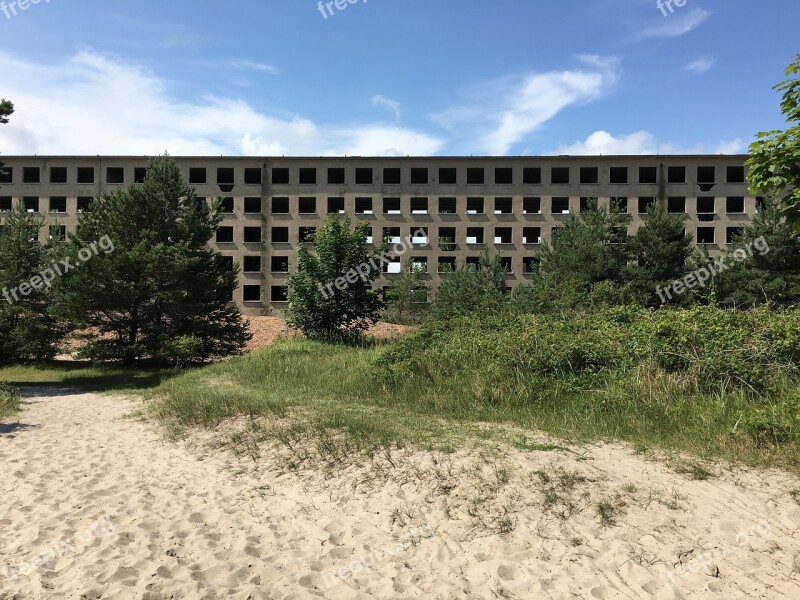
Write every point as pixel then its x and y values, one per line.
pixel 510 205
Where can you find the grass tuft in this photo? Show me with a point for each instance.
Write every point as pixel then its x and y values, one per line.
pixel 10 401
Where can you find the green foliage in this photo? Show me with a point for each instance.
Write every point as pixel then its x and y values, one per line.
pixel 589 248
pixel 472 290
pixel 775 155
pixel 10 400
pixel 6 110
pixel 27 329
pixel 320 308
pixel 659 252
pixel 772 424
pixel 157 284
pixel 712 349
pixel 407 297
pixel 772 273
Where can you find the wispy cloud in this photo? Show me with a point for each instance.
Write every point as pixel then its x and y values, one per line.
pixel 93 104
pixel 239 64
pixel 392 105
pixel 701 65
pixel 677 24
pixel 642 142
pixel 251 65
pixel 515 108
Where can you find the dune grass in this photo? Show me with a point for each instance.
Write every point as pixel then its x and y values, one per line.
pixel 83 376
pixel 338 400
pixel 690 385
pixel 9 401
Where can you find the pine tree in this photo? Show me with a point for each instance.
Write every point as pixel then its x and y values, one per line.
pixel 407 296
pixel 589 248
pixel 659 253
pixel 27 329
pixel 473 289
pixel 6 110
pixel 770 273
pixel 157 292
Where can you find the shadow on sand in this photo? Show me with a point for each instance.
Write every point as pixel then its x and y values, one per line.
pixel 11 430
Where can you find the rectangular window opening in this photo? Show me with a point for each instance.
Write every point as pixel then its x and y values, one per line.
pixel 336 206
pixel 280 176
pixel 364 206
pixel 503 206
pixel 391 206
pixel 307 206
pixel 618 175
pixel 590 175
pixel 559 175
pixel 447 206
pixel 475 206
pixel 197 176
pixel 419 206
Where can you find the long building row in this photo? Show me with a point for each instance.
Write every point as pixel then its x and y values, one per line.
pixel 449 208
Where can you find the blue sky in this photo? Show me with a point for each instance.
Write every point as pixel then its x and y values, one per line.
pixel 392 77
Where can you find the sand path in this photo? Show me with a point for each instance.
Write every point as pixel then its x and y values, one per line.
pixel 94 505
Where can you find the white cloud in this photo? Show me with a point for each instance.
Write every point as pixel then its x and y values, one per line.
pixel 701 65
pixel 677 24
pixel 509 110
pixel 641 142
pixel 392 105
pixel 252 65
pixel 736 146
pixel 92 104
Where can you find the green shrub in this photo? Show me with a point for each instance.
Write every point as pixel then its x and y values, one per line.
pixel 773 424
pixel 714 349
pixel 10 400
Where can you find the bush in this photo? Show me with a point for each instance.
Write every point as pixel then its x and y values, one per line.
pixel 473 289
pixel 10 400
pixel 712 348
pixel 341 256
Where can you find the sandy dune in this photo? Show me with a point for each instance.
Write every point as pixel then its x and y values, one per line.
pixel 98 506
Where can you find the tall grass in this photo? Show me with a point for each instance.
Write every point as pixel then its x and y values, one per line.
pixel 83 376
pixel 591 380
pixel 9 401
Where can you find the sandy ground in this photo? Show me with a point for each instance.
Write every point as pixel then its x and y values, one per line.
pixel 95 505
pixel 266 330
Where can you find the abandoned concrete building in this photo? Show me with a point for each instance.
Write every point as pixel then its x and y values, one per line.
pixel 453 207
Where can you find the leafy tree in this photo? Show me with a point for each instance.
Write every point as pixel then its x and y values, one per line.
pixel 659 253
pixel 771 271
pixel 775 155
pixel 473 289
pixel 6 110
pixel 331 296
pixel 27 330
pixel 590 248
pixel 407 296
pixel 156 292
